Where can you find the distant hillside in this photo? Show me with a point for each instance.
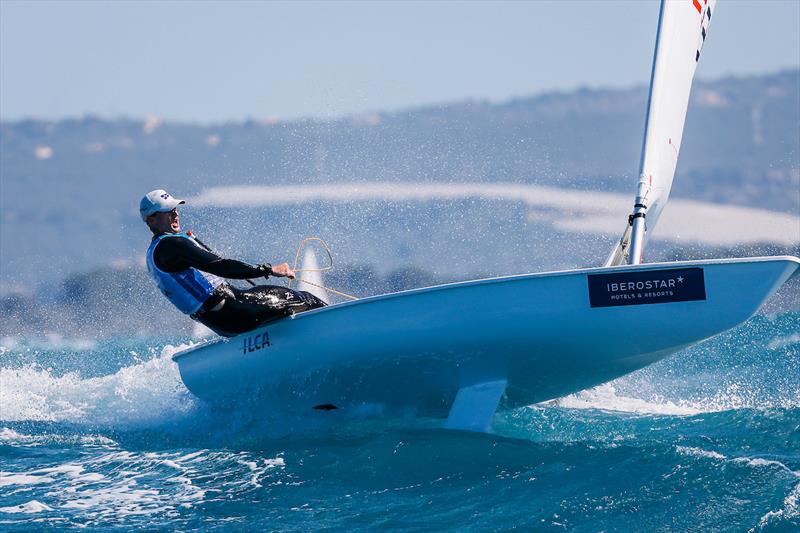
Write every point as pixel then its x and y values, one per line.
pixel 70 188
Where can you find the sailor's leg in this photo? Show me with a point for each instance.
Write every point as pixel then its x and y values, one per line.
pixel 245 310
pixel 312 301
pixel 237 317
pixel 277 297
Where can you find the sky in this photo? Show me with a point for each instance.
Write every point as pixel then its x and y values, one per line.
pixel 214 61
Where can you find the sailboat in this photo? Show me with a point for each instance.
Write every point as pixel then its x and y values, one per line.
pixel 461 351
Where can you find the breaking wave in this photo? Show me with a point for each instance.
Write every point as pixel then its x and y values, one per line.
pixel 147 393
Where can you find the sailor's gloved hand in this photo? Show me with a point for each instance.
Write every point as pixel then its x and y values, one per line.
pixel 283 270
pixel 266 269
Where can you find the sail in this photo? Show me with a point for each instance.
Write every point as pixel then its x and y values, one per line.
pixel 682 29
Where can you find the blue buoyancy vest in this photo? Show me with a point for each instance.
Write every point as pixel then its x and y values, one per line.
pixel 187 289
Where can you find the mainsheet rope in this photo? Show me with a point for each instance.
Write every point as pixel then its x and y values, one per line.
pixel 327 248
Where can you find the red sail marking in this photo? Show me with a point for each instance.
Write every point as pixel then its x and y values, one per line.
pixel 697 6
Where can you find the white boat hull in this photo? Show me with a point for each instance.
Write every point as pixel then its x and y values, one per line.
pixel 540 335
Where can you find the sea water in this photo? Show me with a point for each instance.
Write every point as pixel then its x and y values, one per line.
pixel 102 435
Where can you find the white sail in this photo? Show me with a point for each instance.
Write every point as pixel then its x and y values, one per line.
pixel 682 29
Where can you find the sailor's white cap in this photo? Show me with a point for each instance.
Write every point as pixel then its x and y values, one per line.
pixel 158 201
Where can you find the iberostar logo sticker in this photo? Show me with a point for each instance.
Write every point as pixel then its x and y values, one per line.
pixel 646 287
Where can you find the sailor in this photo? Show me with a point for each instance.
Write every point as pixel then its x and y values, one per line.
pixel 191 276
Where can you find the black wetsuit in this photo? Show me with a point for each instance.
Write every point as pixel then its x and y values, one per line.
pixel 230 310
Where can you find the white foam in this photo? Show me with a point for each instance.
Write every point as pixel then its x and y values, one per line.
pixel 789 511
pixel 699 452
pixel 767 463
pixel 783 342
pixel 732 396
pixel 13 478
pixel 754 462
pixel 605 398
pixel 11 437
pixel 148 392
pixel 32 506
pixel 738 395
pixel 125 488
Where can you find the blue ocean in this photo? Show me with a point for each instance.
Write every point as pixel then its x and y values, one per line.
pixel 103 436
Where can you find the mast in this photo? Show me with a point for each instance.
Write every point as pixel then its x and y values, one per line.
pixel 637 218
pixel 682 29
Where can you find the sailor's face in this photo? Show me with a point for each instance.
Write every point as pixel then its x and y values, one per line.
pixel 167 222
